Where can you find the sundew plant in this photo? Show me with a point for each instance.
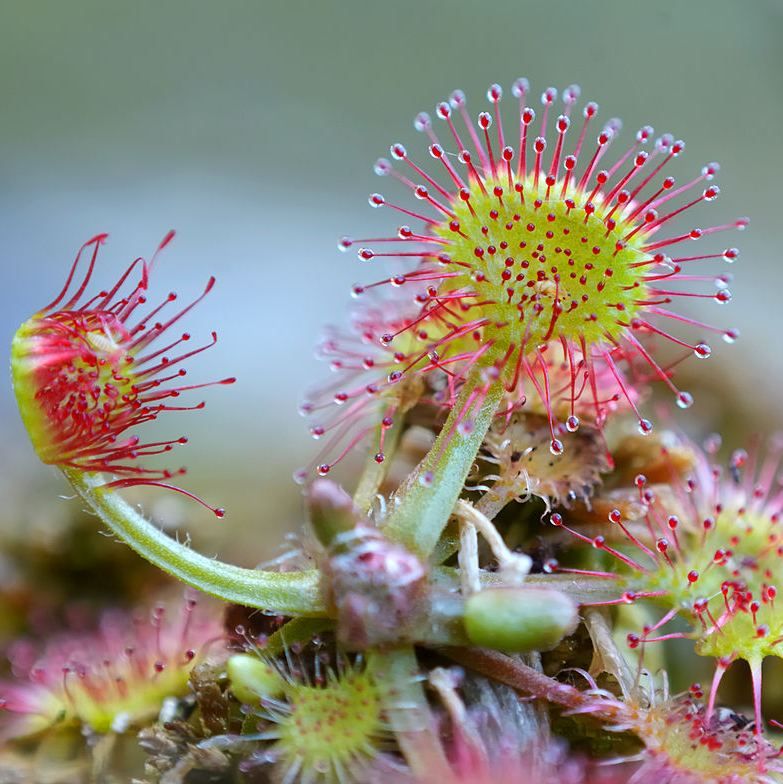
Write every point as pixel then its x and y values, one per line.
pixel 529 540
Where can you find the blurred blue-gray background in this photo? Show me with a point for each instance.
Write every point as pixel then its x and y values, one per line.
pixel 251 128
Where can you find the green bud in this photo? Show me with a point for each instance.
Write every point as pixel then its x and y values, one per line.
pixel 332 511
pixel 253 679
pixel 519 619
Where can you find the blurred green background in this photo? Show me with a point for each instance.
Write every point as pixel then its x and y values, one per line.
pixel 251 128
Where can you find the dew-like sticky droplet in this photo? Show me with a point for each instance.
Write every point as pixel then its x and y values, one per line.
pixel 465 428
pixel 382 167
pixel 723 296
pixel 426 479
pixel 684 399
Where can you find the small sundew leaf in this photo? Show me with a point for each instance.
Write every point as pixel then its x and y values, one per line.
pixel 111 680
pixel 329 727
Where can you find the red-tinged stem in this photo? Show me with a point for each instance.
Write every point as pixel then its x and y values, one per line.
pixel 425 502
pixel 289 593
pixel 517 675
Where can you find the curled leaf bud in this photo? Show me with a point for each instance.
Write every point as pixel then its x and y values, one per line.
pixel 519 619
pixel 332 511
pixel 378 588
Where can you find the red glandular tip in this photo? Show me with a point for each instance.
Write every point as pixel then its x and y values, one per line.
pixel 87 369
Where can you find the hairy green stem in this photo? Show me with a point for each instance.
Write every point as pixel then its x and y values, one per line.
pixel 426 500
pixel 409 713
pixel 290 593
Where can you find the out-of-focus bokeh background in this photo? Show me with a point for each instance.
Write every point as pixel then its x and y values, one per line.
pixel 251 128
